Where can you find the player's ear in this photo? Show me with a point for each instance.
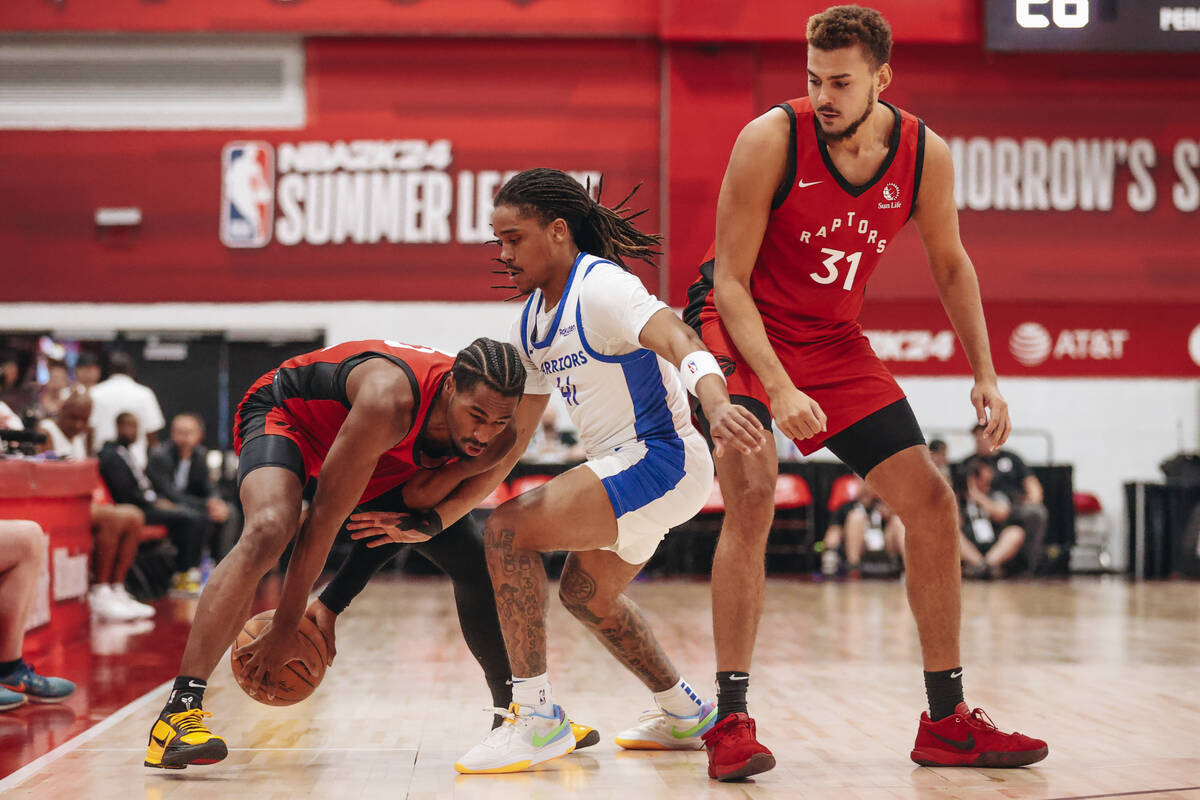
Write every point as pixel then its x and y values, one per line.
pixel 883 78
pixel 559 229
pixel 451 386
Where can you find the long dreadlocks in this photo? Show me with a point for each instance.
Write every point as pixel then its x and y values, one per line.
pixel 549 194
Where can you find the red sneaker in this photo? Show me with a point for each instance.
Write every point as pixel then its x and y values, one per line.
pixel 969 738
pixel 733 752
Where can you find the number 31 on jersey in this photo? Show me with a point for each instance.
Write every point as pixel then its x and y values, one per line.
pixel 831 267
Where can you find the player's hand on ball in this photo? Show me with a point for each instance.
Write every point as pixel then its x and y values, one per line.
pixel 797 414
pixel 985 396
pixel 267 654
pixel 732 425
pixel 384 527
pixel 325 620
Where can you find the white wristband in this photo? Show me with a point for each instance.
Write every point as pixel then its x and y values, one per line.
pixel 696 365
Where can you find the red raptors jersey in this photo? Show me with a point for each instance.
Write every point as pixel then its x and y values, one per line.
pixel 824 236
pixel 307 402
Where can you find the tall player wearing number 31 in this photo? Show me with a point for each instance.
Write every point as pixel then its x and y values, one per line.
pixel 815 190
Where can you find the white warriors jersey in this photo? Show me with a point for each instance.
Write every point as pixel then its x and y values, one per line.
pixel 586 349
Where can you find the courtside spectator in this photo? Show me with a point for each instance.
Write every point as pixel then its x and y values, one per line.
pixel 862 524
pixel 22 550
pixel 990 538
pixel 121 394
pixel 178 470
pixel 127 483
pixel 116 527
pixel 1022 488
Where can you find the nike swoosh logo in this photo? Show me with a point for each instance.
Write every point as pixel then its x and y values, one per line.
pixel 803 185
pixel 195 685
pixel 965 745
pixel 158 741
pixel 15 687
pixel 542 741
pixel 695 729
pixel 739 677
pixel 956 674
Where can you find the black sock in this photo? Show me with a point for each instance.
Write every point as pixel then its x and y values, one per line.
pixel 731 693
pixel 187 693
pixel 9 667
pixel 945 692
pixel 501 697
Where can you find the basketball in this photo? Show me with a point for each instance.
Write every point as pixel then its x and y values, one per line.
pixel 296 682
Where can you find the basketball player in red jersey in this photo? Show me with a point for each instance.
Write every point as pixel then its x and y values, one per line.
pixel 815 191
pixel 366 417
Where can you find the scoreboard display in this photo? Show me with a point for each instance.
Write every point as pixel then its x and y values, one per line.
pixel 1112 26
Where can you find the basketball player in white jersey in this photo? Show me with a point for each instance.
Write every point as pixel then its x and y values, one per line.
pixel 591 332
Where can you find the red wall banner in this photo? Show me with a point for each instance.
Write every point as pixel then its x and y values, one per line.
pixel 553 18
pixel 683 20
pixel 385 195
pixel 1043 339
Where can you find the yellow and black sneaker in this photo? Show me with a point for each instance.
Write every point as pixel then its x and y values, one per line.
pixel 177 740
pixel 584 736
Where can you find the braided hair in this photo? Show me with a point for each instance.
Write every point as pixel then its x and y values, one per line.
pixel 550 194
pixel 497 365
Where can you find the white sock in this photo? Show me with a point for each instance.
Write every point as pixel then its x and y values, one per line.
pixel 680 700
pixel 532 692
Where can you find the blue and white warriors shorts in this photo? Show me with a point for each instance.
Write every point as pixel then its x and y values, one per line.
pixel 653 486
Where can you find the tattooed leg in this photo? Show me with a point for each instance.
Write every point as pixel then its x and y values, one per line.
pixel 591 589
pixel 522 594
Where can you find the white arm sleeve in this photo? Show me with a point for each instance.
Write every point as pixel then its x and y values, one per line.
pixel 535 381
pixel 616 306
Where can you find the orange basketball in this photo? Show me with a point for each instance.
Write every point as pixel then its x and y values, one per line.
pixel 296 682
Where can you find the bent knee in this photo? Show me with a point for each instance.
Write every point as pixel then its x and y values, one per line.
pixel 29 539
pixel 264 538
pixel 750 500
pixel 928 501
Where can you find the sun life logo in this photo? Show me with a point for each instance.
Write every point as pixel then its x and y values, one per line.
pixel 891 196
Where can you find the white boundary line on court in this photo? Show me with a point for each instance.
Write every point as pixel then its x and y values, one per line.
pixel 37 765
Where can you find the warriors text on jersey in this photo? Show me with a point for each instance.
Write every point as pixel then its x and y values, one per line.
pixel 304 400
pixel 823 240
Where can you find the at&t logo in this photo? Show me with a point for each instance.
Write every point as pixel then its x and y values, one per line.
pixel 1031 344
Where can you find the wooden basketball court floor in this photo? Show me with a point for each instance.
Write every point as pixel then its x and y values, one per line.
pixel 1105 670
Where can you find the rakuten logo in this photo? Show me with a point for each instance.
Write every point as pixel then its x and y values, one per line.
pixel 1031 344
pixel 912 345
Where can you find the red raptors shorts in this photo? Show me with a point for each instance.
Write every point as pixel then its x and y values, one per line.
pixel 843 375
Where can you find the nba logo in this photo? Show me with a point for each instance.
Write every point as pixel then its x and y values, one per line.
pixel 247 194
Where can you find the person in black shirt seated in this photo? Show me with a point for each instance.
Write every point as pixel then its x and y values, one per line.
pixel 1023 490
pixel 990 537
pixel 127 483
pixel 178 471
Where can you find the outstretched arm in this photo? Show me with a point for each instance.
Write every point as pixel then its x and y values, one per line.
pixel 936 217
